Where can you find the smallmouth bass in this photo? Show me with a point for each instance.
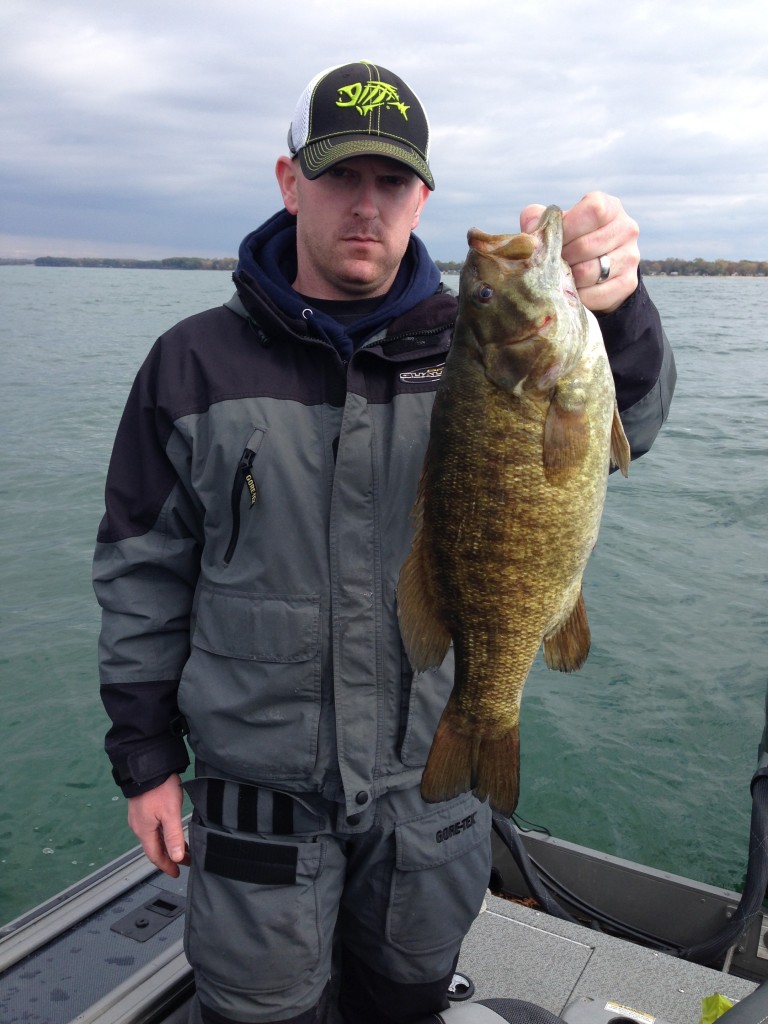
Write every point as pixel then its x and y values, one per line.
pixel 523 430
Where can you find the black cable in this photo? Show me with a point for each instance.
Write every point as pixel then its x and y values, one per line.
pixel 547 891
pixel 511 838
pixel 755 883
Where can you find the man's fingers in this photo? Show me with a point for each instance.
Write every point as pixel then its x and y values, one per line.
pixel 597 226
pixel 173 835
pixel 606 295
pixel 530 217
pixel 155 818
pixel 595 216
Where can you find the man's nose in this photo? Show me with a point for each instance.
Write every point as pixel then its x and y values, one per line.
pixel 365 202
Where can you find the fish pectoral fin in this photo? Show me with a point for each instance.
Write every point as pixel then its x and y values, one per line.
pixel 424 634
pixel 567 649
pixel 566 440
pixel 459 761
pixel 620 454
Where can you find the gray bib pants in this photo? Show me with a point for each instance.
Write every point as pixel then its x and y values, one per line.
pixel 283 889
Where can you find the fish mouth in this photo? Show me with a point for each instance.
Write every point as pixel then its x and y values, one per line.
pixel 507 247
pixel 546 237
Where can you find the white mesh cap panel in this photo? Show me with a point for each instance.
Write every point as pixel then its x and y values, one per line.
pixel 300 124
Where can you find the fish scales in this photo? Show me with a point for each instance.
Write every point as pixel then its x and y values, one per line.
pixel 523 428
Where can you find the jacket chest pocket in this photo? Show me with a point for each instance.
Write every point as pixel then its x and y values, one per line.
pixel 244 493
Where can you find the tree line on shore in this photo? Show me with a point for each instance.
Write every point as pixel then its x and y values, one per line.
pixel 672 266
pixel 172 263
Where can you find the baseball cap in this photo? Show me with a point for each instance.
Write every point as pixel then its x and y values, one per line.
pixel 359 109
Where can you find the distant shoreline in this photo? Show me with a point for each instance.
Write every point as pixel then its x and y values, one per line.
pixel 671 267
pixel 101 262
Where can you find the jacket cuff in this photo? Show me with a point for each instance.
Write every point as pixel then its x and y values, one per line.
pixel 150 765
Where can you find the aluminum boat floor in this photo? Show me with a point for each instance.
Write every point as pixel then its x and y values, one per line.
pixel 79 962
pixel 515 952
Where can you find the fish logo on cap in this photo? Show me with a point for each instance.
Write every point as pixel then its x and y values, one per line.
pixel 366 97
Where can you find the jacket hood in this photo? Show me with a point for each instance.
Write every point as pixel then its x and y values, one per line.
pixel 267 266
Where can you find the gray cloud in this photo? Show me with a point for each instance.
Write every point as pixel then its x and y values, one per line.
pixel 154 127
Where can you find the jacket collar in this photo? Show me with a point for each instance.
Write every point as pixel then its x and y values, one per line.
pixel 267 266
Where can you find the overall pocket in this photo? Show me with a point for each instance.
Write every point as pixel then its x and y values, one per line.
pixel 442 870
pixel 253 913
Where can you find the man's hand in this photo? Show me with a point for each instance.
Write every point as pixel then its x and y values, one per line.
pixel 597 226
pixel 155 817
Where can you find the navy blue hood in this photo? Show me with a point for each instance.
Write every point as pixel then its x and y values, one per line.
pixel 268 257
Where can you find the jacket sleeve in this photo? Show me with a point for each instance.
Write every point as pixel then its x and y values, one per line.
pixel 145 569
pixel 643 367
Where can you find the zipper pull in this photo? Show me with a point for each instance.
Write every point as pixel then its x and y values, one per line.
pixel 244 466
pixel 243 475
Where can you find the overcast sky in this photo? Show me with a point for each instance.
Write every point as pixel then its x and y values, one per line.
pixel 151 127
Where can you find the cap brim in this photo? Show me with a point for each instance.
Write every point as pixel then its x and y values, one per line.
pixel 317 157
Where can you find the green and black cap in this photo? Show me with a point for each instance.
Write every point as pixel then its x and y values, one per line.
pixel 359 109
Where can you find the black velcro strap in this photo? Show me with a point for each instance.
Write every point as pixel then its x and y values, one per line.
pixel 248 809
pixel 215 801
pixel 245 861
pixel 282 814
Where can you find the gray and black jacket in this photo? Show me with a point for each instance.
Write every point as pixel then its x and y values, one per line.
pixel 257 514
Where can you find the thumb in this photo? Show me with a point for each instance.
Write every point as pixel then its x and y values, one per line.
pixel 173 837
pixel 530 217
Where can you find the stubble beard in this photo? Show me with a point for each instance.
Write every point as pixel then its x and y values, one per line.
pixel 353 278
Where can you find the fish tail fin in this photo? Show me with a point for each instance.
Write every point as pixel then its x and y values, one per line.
pixel 449 769
pixel 458 762
pixel 567 649
pixel 498 771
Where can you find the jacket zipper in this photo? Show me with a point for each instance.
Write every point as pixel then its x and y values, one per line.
pixel 243 478
pixel 420 337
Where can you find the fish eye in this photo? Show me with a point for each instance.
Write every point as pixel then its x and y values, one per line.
pixel 484 292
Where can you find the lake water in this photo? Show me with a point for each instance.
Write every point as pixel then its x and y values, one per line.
pixel 646 753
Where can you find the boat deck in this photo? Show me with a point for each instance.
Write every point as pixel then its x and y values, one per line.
pixel 515 952
pixel 109 951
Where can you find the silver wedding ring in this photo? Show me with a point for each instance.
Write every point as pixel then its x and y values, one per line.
pixel 605 269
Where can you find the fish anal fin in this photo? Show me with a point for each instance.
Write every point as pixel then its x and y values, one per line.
pixel 566 440
pixel 425 636
pixel 620 454
pixel 567 649
pixel 487 764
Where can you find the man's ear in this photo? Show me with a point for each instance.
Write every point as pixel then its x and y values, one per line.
pixel 423 196
pixel 287 171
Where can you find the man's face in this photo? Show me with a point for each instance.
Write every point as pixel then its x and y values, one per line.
pixel 353 224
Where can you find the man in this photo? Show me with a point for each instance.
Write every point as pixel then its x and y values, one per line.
pixel 257 515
